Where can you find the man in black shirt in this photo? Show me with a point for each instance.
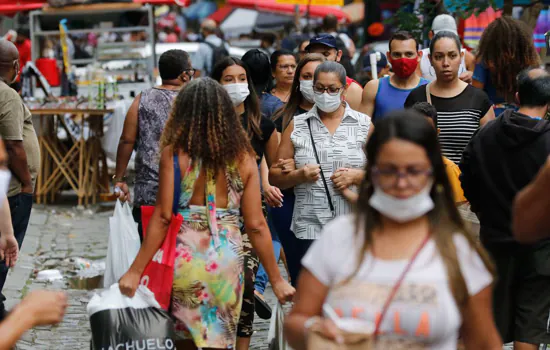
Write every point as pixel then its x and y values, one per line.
pixel 501 159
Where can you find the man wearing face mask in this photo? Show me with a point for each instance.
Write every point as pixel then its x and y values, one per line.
pixel 18 133
pixel 500 160
pixel 325 44
pixel 389 93
pixel 143 127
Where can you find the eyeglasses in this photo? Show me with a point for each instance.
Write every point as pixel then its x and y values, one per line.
pixel 389 178
pixel 287 67
pixel 333 91
pixel 190 72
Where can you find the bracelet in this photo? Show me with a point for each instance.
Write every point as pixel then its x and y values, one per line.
pixel 310 322
pixel 118 179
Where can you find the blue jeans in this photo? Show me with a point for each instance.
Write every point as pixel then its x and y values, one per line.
pixel 261 275
pixel 295 248
pixel 20 206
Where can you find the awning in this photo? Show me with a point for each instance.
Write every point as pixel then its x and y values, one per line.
pixel 11 7
pixel 244 21
pixel 182 3
pixel 221 13
pixel 273 6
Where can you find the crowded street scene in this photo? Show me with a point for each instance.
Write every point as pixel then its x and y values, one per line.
pixel 275 174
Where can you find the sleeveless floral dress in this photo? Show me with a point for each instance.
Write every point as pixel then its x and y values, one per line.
pixel 208 273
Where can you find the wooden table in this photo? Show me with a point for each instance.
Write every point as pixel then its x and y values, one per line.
pixel 81 164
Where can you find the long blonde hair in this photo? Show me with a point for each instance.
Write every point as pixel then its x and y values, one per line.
pixel 445 220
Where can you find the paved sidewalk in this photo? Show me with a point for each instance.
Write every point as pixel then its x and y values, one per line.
pixel 55 235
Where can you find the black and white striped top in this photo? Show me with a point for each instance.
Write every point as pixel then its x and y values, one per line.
pixel 343 149
pixel 457 117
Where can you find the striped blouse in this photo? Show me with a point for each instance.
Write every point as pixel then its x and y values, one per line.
pixel 344 149
pixel 457 117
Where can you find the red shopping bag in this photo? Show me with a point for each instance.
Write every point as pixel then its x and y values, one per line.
pixel 158 276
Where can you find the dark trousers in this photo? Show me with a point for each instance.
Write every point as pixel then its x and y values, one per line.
pixel 136 213
pixel 294 248
pixel 20 206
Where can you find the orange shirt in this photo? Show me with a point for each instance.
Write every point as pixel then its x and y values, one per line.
pixel 453 173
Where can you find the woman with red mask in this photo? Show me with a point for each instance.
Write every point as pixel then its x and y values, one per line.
pixel 461 108
pixel 389 93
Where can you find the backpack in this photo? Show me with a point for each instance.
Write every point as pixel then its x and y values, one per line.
pixel 218 53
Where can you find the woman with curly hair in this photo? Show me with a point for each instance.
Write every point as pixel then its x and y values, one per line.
pixel 505 49
pixel 209 175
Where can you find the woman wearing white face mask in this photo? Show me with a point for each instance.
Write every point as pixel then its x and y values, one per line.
pixel 233 75
pixel 300 101
pixel 404 262
pixel 327 146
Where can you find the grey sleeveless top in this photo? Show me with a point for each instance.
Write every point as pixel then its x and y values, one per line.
pixel 154 108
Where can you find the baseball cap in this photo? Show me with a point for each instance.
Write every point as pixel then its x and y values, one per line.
pixel 383 63
pixel 323 39
pixel 444 23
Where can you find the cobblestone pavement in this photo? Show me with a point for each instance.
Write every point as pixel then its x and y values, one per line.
pixel 54 237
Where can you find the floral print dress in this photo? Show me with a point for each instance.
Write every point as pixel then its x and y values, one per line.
pixel 208 275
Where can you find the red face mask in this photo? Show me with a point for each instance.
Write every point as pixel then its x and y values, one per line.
pixel 404 67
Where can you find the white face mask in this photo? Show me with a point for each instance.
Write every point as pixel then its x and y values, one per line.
pixel 306 88
pixel 328 103
pixel 237 92
pixel 5 176
pixel 402 210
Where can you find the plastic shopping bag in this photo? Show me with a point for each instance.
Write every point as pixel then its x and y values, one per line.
pixel 124 244
pixel 120 322
pixel 275 337
pixel 158 275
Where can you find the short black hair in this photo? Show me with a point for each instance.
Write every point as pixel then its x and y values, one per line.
pixel 402 35
pixel 426 110
pixel 278 54
pixel 257 63
pixel 173 63
pixel 533 91
pixel 330 22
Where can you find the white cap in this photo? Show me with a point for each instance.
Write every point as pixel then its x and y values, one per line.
pixel 444 23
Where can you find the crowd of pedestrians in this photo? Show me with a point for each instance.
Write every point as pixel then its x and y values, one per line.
pixel 359 190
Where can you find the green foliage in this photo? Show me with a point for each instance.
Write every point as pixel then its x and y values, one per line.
pixel 418 22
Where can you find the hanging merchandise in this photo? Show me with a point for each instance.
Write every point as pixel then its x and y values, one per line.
pixel 540 29
pixel 474 26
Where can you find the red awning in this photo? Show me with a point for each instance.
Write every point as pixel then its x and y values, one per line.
pixel 11 7
pixel 273 6
pixel 221 13
pixel 182 3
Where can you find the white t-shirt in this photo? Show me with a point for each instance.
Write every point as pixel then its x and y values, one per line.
pixel 428 71
pixel 423 313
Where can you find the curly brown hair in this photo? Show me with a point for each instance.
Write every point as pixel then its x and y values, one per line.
pixel 506 48
pixel 203 124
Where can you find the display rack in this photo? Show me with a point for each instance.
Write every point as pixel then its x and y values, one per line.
pixel 98 19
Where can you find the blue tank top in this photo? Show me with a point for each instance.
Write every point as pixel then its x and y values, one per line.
pixel 389 98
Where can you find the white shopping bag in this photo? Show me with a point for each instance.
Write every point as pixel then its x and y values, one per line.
pixel 275 336
pixel 124 244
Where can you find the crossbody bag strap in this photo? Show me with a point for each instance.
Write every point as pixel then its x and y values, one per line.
pixel 320 167
pixel 428 94
pixel 395 288
pixel 177 184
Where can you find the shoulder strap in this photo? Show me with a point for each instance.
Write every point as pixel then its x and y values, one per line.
pixel 177 184
pixel 428 94
pixel 320 167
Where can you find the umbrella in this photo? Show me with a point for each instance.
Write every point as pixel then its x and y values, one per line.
pixel 244 21
pixel 274 6
pixel 200 10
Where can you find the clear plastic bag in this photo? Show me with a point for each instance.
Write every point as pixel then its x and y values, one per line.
pixel 124 244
